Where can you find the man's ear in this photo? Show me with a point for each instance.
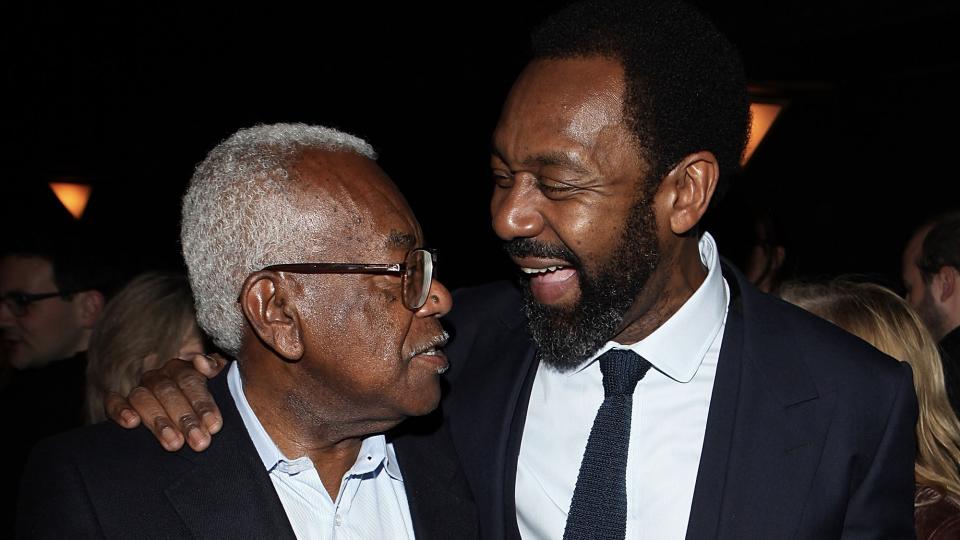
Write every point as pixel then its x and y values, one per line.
pixel 947 277
pixel 90 306
pixel 267 305
pixel 687 190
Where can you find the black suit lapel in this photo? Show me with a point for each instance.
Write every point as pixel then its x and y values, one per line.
pixel 504 372
pixel 712 474
pixel 765 430
pixel 514 439
pixel 228 493
pixel 440 502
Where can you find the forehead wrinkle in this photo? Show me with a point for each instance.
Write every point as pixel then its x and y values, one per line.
pixel 400 240
pixel 569 160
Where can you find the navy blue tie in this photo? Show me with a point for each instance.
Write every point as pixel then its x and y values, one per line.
pixel 599 507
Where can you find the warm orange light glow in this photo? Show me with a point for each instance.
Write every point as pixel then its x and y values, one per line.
pixel 73 197
pixel 763 115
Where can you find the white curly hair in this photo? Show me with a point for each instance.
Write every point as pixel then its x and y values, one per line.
pixel 239 216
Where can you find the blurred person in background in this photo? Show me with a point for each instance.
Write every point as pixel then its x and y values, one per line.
pixel 150 320
pixel 883 319
pixel 52 293
pixel 931 276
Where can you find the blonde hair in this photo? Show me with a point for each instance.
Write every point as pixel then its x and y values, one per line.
pixel 883 319
pixel 152 315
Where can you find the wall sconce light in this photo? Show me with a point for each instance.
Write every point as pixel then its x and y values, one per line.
pixel 72 196
pixel 762 117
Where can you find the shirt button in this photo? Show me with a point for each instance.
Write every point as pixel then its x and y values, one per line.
pixel 339 520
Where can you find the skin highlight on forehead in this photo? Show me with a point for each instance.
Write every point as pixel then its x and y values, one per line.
pixel 581 112
pixel 361 207
pixel 596 113
pixel 583 122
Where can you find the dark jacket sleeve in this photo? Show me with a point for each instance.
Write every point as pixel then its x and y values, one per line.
pixel 54 501
pixel 881 507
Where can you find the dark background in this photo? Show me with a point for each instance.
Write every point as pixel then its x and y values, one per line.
pixel 130 99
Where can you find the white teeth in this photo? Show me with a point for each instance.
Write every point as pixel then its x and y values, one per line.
pixel 540 270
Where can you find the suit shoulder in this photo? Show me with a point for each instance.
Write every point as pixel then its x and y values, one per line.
pixel 489 298
pixel 482 317
pixel 98 451
pixel 830 353
pixel 497 302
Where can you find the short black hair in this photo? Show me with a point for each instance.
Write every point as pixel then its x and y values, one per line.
pixel 685 86
pixel 941 246
pixel 78 263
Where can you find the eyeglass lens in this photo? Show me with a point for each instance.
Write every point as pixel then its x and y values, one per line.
pixel 14 306
pixel 417 279
pixel 19 303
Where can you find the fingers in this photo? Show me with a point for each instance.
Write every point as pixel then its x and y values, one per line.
pixel 153 415
pixel 194 388
pixel 208 364
pixel 120 411
pixel 171 401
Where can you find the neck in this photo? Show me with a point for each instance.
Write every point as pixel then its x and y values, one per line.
pixel 83 342
pixel 299 425
pixel 674 281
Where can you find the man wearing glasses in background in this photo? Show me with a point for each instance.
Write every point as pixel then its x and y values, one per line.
pixel 51 294
pixel 308 267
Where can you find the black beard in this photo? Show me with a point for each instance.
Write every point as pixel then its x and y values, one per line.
pixel 567 337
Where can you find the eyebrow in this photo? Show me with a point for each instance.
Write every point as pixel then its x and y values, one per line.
pixel 400 240
pixel 556 158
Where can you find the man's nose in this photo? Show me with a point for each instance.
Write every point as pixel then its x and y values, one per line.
pixel 438 303
pixel 6 315
pixel 514 210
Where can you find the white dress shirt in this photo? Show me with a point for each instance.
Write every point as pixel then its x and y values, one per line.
pixel 371 503
pixel 670 407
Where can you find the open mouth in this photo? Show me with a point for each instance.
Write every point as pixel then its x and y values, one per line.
pixel 549 274
pixel 551 282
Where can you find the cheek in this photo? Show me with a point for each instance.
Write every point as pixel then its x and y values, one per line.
pixel 914 293
pixel 589 230
pixel 386 331
pixel 46 321
pixel 375 331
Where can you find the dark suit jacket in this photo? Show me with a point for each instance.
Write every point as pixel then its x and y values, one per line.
pixel 108 482
pixel 54 396
pixel 810 432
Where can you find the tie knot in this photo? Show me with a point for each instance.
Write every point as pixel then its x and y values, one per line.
pixel 622 369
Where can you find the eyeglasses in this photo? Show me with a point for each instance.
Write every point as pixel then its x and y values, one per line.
pixel 416 273
pixel 19 302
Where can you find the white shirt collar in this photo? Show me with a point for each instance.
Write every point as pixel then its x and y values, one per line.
pixel 678 346
pixel 374 449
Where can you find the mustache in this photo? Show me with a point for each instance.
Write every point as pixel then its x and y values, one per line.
pixel 527 247
pixel 438 342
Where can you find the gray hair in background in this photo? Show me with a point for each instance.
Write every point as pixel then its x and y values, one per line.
pixel 240 215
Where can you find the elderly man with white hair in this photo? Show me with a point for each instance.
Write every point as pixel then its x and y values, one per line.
pixel 308 267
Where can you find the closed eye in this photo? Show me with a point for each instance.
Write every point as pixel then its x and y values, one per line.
pixel 502 179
